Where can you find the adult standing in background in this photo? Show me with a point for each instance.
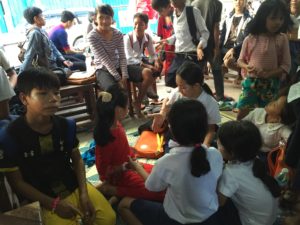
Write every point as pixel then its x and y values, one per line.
pixel 186 48
pixel 108 49
pixel 233 33
pixel 211 11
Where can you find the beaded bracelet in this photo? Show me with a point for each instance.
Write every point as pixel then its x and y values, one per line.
pixel 54 204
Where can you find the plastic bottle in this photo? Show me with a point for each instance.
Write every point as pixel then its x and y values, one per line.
pixel 283 177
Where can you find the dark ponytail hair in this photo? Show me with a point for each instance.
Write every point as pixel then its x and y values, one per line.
pixel 188 124
pixel 192 74
pixel 243 141
pixel 106 114
pixel 259 171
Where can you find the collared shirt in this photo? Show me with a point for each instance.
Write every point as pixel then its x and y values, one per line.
pixel 135 51
pixel 210 104
pixel 271 133
pixel 182 37
pixel 188 199
pixel 250 195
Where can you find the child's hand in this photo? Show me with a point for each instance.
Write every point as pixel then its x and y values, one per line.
pixel 133 164
pixel 200 54
pixel 158 122
pixel 229 54
pixel 87 209
pixel 66 210
pixel 250 69
pixel 161 43
pixel 68 63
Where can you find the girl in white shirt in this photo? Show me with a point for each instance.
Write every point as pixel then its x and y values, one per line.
pixel 189 173
pixel 245 180
pixel 191 85
pixel 273 122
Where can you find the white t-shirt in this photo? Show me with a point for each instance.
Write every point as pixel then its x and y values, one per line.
pixel 271 132
pixel 208 101
pixel 252 198
pixel 6 91
pixel 188 199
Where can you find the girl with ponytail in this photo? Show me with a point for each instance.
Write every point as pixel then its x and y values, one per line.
pixel 190 173
pixel 191 85
pixel 245 179
pixel 112 149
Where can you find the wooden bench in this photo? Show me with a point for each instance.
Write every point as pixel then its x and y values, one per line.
pixel 78 102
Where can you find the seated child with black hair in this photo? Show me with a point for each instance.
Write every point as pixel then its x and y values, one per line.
pixel 40 151
pixel 245 180
pixel 273 122
pixel 191 85
pixel 190 173
pixel 141 70
pixel 113 150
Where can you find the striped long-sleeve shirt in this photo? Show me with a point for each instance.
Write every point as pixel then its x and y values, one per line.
pixel 109 55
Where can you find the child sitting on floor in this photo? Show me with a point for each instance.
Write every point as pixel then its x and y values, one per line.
pixel 112 149
pixel 191 85
pixel 273 122
pixel 40 154
pixel 190 173
pixel 245 179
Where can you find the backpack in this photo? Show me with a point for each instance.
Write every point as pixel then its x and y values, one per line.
pixel 276 161
pixel 37 61
pixel 21 46
pixel 192 24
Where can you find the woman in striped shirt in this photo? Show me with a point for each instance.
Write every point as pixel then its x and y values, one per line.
pixel 108 48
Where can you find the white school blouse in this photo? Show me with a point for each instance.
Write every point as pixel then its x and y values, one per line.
pixel 188 199
pixel 253 200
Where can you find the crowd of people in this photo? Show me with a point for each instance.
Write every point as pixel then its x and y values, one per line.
pixel 211 173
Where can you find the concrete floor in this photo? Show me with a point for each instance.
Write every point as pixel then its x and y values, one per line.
pixel 231 90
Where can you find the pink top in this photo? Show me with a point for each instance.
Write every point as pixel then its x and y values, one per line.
pixel 266 52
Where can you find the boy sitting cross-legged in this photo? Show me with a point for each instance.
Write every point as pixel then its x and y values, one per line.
pixel 41 152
